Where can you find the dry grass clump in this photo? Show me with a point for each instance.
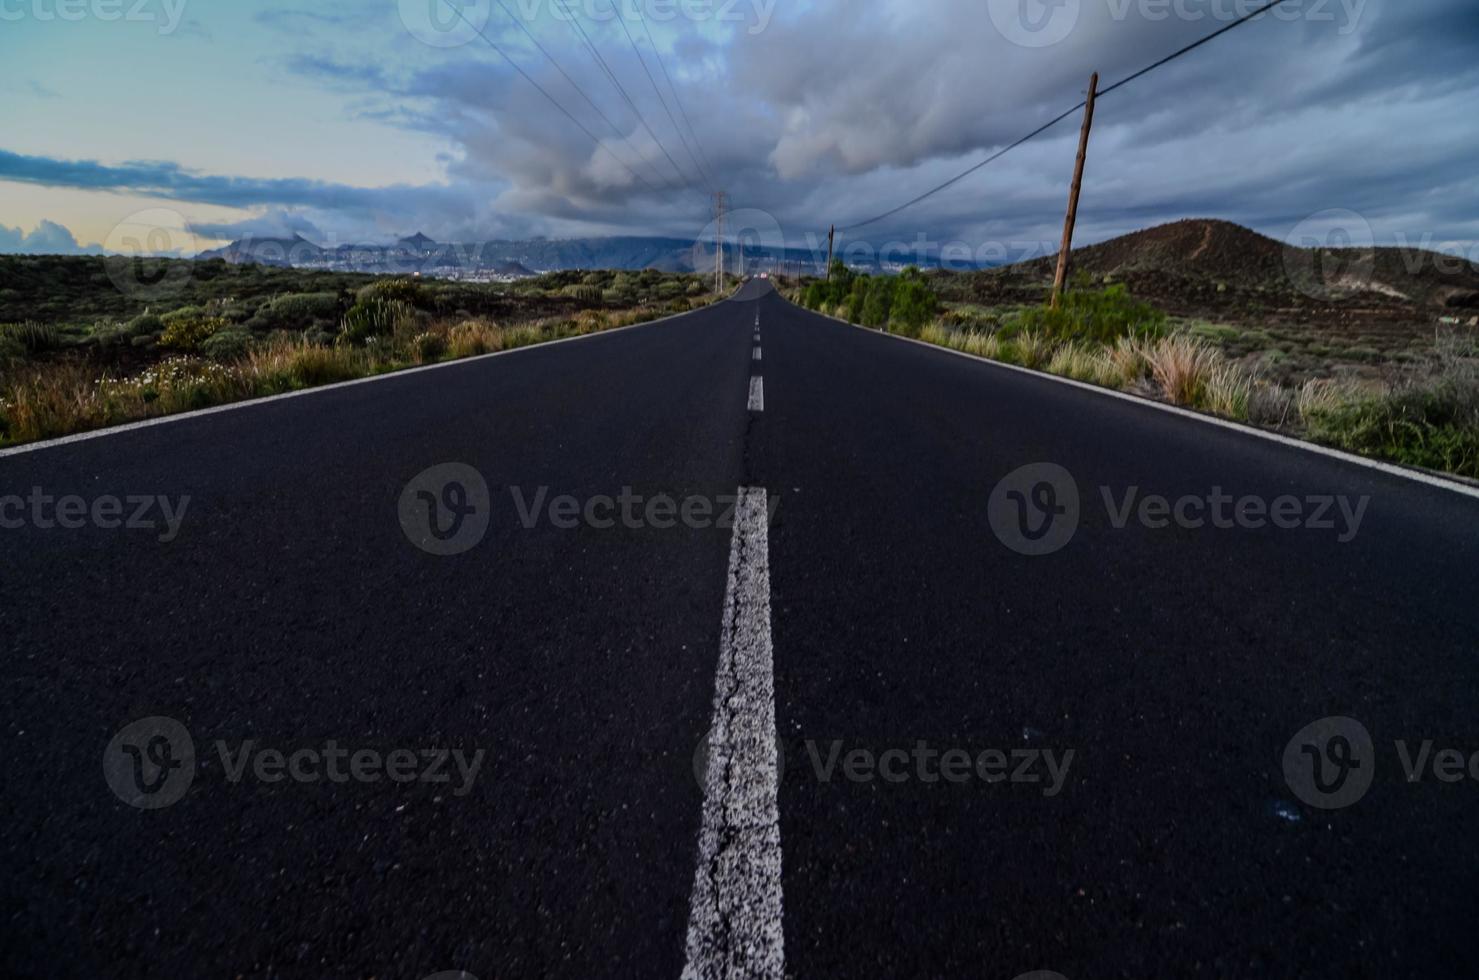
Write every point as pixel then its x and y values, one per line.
pixel 472 338
pixel 1182 366
pixel 1125 361
pixel 1030 349
pixel 1228 390
pixel 1083 363
pixel 1319 396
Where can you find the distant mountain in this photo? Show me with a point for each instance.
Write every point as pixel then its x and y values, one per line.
pixel 510 259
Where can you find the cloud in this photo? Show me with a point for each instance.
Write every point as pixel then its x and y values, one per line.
pixel 274 223
pixel 1264 126
pixel 837 111
pixel 375 211
pixel 47 238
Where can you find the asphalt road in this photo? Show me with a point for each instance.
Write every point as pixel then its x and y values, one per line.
pixel 886 615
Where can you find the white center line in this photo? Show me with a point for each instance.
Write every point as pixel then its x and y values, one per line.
pixel 735 914
pixel 757 394
pixel 757 353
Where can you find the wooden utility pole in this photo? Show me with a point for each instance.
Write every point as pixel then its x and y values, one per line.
pixel 719 202
pixel 1078 180
pixel 831 234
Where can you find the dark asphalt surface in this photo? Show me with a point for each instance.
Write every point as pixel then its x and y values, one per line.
pixel 1176 664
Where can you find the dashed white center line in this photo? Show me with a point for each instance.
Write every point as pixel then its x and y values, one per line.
pixel 757 394
pixel 757 353
pixel 735 913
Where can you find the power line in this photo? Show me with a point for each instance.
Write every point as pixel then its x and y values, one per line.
pixel 573 83
pixel 591 46
pixel 662 101
pixel 1059 118
pixel 708 171
pixel 553 101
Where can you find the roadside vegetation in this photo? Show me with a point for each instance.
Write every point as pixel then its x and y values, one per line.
pixel 1420 410
pixel 88 354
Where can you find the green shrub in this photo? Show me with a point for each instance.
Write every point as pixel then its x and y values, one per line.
pixel 227 344
pixel 376 316
pixel 1433 425
pixel 815 296
pixel 857 295
pixel 318 337
pixel 146 325
pixel 585 293
pixel 407 291
pixel 879 302
pixel 109 336
pixel 31 338
pixel 187 329
pixel 1215 332
pixel 1096 316
pixel 914 304
pixel 428 347
pixel 297 312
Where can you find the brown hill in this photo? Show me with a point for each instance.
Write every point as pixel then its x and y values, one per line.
pixel 1201 266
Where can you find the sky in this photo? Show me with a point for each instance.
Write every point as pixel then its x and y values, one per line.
pixel 183 124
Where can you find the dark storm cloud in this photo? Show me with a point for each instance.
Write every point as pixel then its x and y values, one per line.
pixel 839 110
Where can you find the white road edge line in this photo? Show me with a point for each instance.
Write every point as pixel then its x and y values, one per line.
pixel 735 915
pixel 1391 469
pixel 32 447
pixel 757 394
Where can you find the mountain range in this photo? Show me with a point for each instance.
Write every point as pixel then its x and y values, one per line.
pixel 515 258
